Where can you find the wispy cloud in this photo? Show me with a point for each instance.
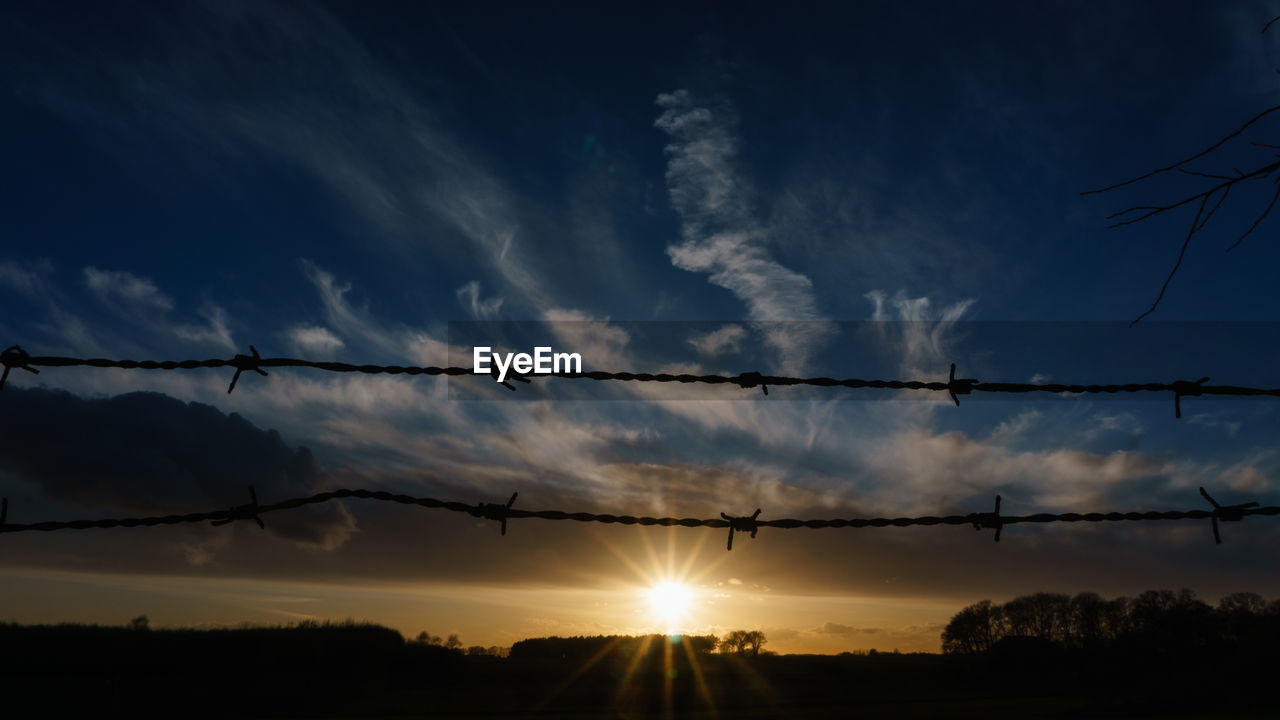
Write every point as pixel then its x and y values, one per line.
pixel 314 339
pixel 118 285
pixel 914 329
pixel 723 238
pixel 471 301
pixel 604 344
pixel 727 339
pixel 351 124
pixel 215 333
pixel 1015 427
pixel 352 322
pixel 140 301
pixel 25 278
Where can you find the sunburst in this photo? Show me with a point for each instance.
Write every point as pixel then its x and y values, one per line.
pixel 669 603
pixel 670 585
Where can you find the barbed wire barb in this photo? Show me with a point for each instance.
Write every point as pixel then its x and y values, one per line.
pixel 745 523
pixel 244 512
pixel 1225 513
pixel 493 373
pixel 15 357
pixel 748 380
pixel 496 511
pixel 963 386
pixel 1184 388
pixel 990 520
pixel 245 362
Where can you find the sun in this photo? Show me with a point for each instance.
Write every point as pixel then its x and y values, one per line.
pixel 670 602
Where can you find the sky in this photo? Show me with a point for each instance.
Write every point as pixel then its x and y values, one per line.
pixel 826 189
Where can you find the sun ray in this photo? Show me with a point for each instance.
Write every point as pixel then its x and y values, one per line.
pixel 654 562
pixel 668 677
pixel 699 679
pixel 694 553
pixel 579 672
pixel 623 557
pixel 632 666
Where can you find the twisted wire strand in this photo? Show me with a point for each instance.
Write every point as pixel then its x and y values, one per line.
pixel 749 523
pixel 15 358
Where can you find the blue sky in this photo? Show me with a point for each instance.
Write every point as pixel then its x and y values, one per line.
pixel 343 180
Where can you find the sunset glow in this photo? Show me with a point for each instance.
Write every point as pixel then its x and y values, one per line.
pixel 760 250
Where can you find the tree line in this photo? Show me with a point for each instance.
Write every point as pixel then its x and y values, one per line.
pixel 738 642
pixel 453 643
pixel 1155 619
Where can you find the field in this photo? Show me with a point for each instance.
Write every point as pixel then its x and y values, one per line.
pixel 363 671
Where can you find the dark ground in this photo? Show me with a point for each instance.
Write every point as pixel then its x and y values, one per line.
pixel 355 671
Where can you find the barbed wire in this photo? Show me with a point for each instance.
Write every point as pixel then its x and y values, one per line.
pixel 501 513
pixel 15 357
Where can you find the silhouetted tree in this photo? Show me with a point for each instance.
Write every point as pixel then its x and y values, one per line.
pixel 1086 627
pixel 1242 616
pixel 140 623
pixel 1042 615
pixel 1156 620
pixel 743 642
pixel 453 643
pixel 729 643
pixel 1116 619
pixel 1166 619
pixel 971 630
pixel 702 644
pixel 1242 602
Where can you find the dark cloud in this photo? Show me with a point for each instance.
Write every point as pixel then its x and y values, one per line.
pixel 150 453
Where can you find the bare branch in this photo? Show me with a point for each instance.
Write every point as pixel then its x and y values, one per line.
pixel 1216 205
pixel 1198 155
pixel 1200 174
pixel 1255 222
pixel 1154 210
pixel 1194 224
pixel 1258 174
pixel 1137 207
